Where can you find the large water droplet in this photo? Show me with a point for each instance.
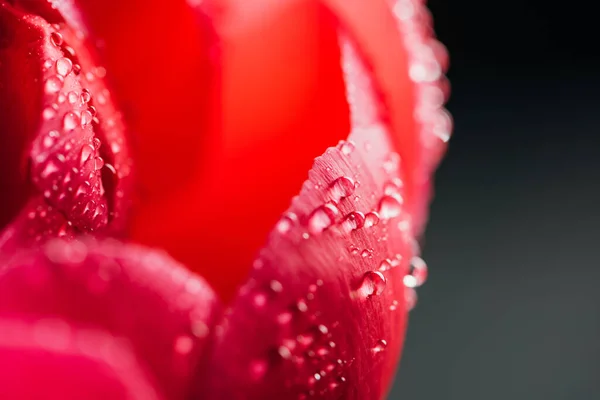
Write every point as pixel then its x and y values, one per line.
pixel 72 97
pixel 86 153
pixel 417 274
pixel 53 84
pixel 70 121
pixel 371 219
pixel 56 39
pixel 389 207
pixel 64 66
pixel 372 284
pixel 86 118
pixel 354 220
pixel 322 218
pixel 341 188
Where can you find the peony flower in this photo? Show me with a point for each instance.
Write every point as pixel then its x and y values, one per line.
pixel 166 231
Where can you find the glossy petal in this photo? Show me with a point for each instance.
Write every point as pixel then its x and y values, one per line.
pixel 162 310
pixel 62 136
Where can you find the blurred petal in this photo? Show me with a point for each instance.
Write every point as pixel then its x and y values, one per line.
pixel 163 311
pixel 50 359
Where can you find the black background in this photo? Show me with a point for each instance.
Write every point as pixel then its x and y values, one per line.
pixel 512 306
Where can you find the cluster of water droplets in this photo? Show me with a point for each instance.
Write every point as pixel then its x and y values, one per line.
pixel 306 348
pixel 68 165
pixel 427 61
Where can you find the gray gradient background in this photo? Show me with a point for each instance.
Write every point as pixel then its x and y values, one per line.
pixel 512 306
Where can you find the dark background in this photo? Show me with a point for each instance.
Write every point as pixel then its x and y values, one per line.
pixel 512 306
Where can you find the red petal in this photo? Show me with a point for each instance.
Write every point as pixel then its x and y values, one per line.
pixel 164 311
pixel 282 104
pixel 324 310
pixel 51 123
pixel 48 358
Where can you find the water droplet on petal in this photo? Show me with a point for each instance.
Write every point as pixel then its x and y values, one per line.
pixel 76 69
pixel 379 346
pixel 373 283
pixel 371 219
pixel 86 153
pixel 346 147
pixel 70 121
pixel 64 66
pixel 417 274
pixel 341 188
pixel 286 223
pixel 56 39
pixel 354 220
pixel 98 163
pixel 72 97
pixel 48 113
pixel 85 96
pixel 385 265
pixel 53 84
pixel 394 305
pixel 389 207
pixel 86 118
pixel 322 218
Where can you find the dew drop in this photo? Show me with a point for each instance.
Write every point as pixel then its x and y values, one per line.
pixel 56 39
pixel 48 113
pixel 70 121
pixel 86 118
pixel 53 84
pixel 346 147
pixel 366 253
pixel 86 153
pixel 354 220
pixel 371 219
pixel 284 352
pixel 322 218
pixel 183 345
pixel 417 274
pixel 64 66
pixel 385 265
pixel 85 96
pixel 301 305
pixel 394 305
pixel 389 207
pixel 76 69
pixel 373 283
pixel 379 346
pixel 340 188
pixel 49 169
pixel 286 223
pixel 72 97
pixel 98 163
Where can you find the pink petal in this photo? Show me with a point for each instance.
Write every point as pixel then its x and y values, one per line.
pixel 51 359
pixel 163 310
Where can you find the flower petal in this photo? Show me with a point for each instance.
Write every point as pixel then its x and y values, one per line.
pixel 67 362
pixel 324 311
pixel 60 122
pixel 163 311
